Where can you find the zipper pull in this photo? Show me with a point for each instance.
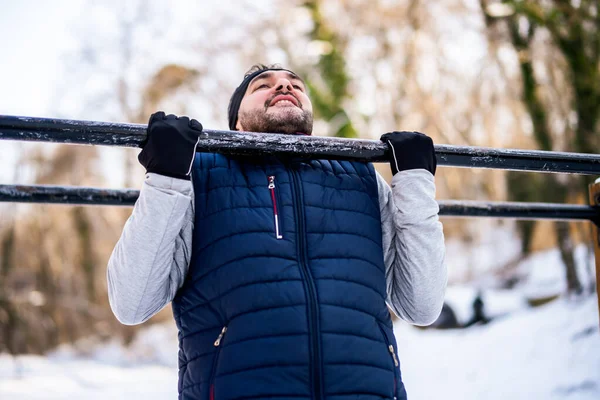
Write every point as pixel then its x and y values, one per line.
pixel 275 211
pixel 393 353
pixel 218 341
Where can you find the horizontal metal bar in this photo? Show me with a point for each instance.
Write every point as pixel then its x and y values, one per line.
pixel 527 210
pixel 448 208
pixel 67 195
pixel 248 143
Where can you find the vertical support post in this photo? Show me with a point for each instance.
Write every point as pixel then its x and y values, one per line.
pixel 594 191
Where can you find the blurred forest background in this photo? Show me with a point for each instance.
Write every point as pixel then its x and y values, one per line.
pixel 510 74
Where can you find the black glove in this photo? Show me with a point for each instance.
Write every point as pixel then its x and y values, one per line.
pixel 410 150
pixel 170 146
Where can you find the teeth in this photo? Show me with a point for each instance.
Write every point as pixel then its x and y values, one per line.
pixel 285 102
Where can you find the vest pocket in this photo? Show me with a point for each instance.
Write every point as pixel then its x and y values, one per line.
pixel 213 371
pixel 275 200
pixel 392 353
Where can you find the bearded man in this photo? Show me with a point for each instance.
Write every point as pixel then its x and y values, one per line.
pixel 280 270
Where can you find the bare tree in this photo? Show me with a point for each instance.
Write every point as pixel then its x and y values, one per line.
pixel 557 44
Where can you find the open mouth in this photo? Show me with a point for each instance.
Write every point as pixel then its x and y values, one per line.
pixel 284 100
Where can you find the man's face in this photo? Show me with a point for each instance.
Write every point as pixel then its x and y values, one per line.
pixel 276 102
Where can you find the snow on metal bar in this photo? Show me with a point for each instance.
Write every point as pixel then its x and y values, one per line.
pixel 71 131
pixel 310 147
pixel 448 208
pixel 73 195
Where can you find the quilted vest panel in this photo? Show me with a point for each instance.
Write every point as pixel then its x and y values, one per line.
pixel 285 296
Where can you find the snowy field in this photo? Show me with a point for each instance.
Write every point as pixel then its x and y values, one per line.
pixel 548 352
pixel 551 352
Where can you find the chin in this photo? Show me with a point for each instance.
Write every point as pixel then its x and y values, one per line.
pixel 285 111
pixel 287 120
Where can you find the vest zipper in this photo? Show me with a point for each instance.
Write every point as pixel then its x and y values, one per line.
pixel 390 349
pixel 213 372
pixel 311 292
pixel 393 353
pixel 272 189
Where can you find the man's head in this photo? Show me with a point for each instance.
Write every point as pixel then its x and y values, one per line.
pixel 271 99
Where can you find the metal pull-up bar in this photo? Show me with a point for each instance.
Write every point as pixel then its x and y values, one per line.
pixel 313 147
pixel 248 143
pixel 450 208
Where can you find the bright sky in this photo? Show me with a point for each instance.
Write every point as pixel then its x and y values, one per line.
pixel 34 35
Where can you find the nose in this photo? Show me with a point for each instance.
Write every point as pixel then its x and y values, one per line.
pixel 283 83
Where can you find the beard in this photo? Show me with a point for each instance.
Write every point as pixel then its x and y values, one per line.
pixel 286 120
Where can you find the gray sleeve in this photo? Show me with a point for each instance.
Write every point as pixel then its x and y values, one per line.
pixel 150 261
pixel 413 246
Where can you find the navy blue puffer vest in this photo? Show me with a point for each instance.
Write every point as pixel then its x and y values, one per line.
pixel 285 296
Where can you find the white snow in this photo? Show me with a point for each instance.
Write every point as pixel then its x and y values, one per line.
pixel 498 302
pixel 50 378
pixel 550 352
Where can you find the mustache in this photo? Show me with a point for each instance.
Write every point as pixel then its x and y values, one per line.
pixel 280 93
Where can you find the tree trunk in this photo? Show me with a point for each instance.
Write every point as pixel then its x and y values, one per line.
pixel 88 264
pixel 565 243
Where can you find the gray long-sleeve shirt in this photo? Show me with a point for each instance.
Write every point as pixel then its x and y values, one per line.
pixel 151 259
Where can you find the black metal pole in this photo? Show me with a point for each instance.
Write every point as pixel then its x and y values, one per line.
pixel 247 143
pixel 448 208
pixel 72 195
pixel 467 208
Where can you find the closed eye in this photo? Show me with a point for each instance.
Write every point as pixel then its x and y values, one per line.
pixel 300 88
pixel 264 85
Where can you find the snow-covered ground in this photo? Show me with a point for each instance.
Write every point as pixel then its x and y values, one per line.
pixel 548 352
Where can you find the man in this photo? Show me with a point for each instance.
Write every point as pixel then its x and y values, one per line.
pixel 279 269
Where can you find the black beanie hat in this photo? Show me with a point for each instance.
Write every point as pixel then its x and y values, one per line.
pixel 240 91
